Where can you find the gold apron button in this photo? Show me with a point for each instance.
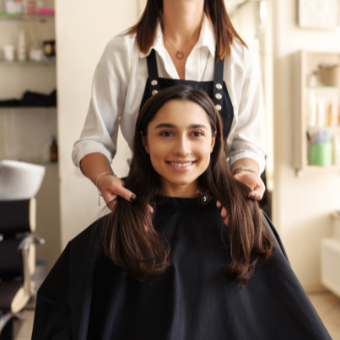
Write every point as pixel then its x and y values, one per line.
pixel 154 82
pixel 154 92
pixel 219 86
pixel 218 96
pixel 218 107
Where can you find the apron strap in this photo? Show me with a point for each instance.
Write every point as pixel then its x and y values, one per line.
pixel 218 84
pixel 153 72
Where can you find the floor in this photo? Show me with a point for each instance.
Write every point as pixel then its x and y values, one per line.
pixel 326 304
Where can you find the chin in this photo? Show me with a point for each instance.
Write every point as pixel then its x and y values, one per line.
pixel 176 180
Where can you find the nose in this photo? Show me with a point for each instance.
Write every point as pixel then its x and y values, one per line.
pixel 182 146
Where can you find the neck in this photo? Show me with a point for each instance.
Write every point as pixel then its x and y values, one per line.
pixel 175 190
pixel 182 21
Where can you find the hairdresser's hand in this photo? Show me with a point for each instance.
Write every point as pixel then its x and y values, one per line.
pixel 253 182
pixel 224 213
pixel 110 187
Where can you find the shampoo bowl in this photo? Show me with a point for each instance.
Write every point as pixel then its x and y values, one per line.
pixel 19 180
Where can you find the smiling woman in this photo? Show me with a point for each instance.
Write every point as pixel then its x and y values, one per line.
pixel 178 126
pixel 177 271
pixel 179 141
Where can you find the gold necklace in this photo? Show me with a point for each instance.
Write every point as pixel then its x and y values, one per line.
pixel 179 54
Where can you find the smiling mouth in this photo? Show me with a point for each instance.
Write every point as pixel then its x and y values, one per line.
pixel 181 165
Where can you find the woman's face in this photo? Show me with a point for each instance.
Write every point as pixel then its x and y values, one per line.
pixel 179 142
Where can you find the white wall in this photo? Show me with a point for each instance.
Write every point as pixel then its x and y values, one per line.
pixel 83 29
pixel 301 205
pixel 257 35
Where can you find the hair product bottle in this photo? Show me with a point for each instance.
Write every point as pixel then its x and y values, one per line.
pixel 54 151
pixel 321 111
pixel 22 53
pixel 311 109
pixel 332 114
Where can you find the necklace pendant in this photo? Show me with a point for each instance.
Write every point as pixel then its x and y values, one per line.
pixel 179 55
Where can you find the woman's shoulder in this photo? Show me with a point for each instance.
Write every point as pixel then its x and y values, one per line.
pixel 241 54
pixel 122 46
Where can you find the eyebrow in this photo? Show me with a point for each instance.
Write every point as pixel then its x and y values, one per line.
pixel 172 126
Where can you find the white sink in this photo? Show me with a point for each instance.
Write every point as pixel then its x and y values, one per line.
pixel 20 180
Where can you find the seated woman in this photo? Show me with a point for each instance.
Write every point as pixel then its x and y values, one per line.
pixel 166 266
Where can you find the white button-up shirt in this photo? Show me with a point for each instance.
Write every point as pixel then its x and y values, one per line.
pixel 120 79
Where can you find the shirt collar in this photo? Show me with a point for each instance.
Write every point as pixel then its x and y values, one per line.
pixel 206 39
pixel 207 36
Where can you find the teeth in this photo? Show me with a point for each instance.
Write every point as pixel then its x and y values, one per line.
pixel 181 165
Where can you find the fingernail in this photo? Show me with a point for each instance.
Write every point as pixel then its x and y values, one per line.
pixel 253 196
pixel 133 198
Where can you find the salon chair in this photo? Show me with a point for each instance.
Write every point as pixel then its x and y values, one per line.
pixel 17 262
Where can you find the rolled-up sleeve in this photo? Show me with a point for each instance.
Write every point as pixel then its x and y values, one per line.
pixel 247 137
pixel 109 87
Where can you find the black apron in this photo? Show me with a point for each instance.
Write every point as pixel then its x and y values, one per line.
pixel 216 89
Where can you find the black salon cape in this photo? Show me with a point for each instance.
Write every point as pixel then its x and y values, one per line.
pixel 194 299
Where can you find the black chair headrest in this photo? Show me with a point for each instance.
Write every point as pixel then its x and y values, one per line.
pixel 17 216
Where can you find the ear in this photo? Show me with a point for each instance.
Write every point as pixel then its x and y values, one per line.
pixel 213 140
pixel 145 143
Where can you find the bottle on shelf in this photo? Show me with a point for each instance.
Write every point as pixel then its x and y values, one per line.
pixel 321 111
pixel 312 79
pixel 332 114
pixel 22 52
pixel 54 150
pixel 28 7
pixel 12 6
pixel 9 52
pixel 311 109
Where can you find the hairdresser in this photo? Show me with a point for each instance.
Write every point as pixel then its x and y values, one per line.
pixel 188 42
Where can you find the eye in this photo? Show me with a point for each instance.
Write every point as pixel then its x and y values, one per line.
pixel 197 134
pixel 166 134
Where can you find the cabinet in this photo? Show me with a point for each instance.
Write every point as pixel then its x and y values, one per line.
pixel 304 63
pixel 330 257
pixel 26 132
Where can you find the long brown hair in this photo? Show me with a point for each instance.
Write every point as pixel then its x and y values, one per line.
pixel 215 11
pixel 128 236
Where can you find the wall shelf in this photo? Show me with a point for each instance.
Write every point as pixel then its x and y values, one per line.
pixel 28 108
pixel 305 63
pixel 28 63
pixel 320 87
pixel 315 168
pixel 27 17
pixel 329 127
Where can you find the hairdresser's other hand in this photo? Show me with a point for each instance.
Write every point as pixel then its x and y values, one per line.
pixel 110 187
pixel 224 213
pixel 253 182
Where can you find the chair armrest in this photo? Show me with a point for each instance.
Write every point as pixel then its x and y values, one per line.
pixel 24 246
pixel 5 318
